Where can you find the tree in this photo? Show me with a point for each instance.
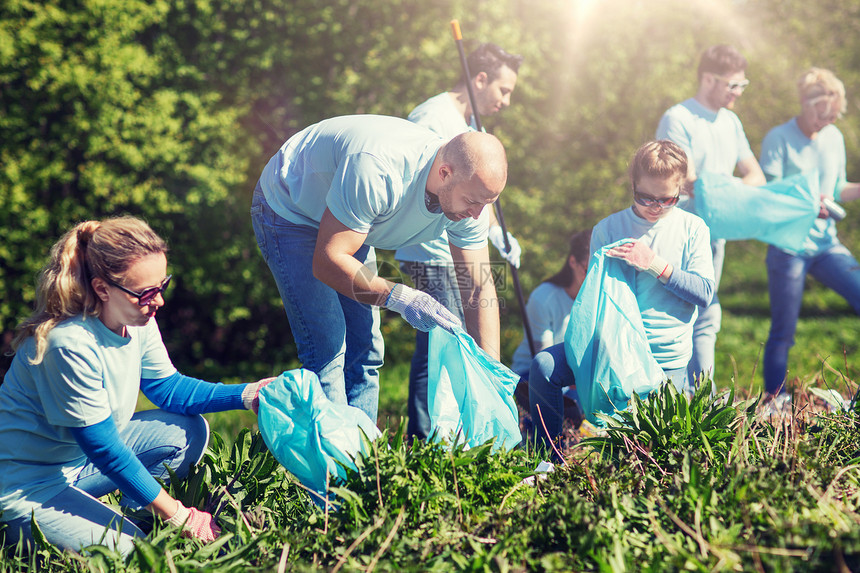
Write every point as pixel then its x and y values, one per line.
pixel 170 110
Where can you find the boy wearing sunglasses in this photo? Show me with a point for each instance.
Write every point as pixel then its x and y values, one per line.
pixel 714 140
pixel 671 252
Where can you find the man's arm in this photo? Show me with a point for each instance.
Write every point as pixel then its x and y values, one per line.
pixel 750 172
pixel 850 192
pixel 335 265
pixel 478 292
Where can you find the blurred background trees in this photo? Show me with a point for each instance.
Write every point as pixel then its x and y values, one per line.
pixel 170 110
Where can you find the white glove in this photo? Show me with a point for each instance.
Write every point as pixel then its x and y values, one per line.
pixel 251 394
pixel 420 309
pixel 497 238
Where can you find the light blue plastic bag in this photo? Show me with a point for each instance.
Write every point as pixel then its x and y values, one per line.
pixel 308 433
pixel 605 343
pixel 470 394
pixel 780 213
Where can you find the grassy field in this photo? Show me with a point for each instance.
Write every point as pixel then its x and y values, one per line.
pixel 700 485
pixel 827 333
pixel 676 485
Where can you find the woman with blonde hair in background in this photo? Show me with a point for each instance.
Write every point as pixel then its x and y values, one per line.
pixel 806 143
pixel 69 433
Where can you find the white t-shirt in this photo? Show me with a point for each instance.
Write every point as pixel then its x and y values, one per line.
pixel 371 172
pixel 548 310
pixel 89 373
pixel 683 240
pixel 713 140
pixel 441 116
pixel 787 151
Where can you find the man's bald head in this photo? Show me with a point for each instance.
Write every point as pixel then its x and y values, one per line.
pixel 468 173
pixel 475 153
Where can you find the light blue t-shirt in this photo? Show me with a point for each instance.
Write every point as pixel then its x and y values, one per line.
pixel 88 374
pixel 684 241
pixel 787 151
pixel 441 116
pixel 371 172
pixel 714 140
pixel 548 310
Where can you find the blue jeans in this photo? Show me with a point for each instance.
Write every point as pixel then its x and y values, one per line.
pixel 337 337
pixel 835 268
pixel 707 325
pixel 75 518
pixel 440 282
pixel 549 374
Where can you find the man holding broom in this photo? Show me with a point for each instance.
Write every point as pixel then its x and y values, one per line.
pixel 493 77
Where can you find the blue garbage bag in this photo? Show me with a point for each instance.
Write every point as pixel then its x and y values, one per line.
pixel 605 343
pixel 780 213
pixel 309 434
pixel 470 394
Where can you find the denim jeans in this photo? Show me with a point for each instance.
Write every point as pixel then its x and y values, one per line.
pixel 835 268
pixel 75 518
pixel 337 337
pixel 440 282
pixel 707 326
pixel 549 374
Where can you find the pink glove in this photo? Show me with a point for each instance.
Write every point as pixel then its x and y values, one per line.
pixel 640 256
pixel 195 523
pixel 251 394
pixel 823 213
pixel 637 255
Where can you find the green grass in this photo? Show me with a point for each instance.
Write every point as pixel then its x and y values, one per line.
pixel 827 331
pixel 700 485
pixel 697 484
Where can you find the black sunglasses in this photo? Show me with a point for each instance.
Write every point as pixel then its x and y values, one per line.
pixel 145 296
pixel 648 201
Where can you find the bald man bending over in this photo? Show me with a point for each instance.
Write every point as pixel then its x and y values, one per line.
pixel 345 185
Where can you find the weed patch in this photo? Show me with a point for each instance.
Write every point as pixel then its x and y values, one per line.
pixel 676 483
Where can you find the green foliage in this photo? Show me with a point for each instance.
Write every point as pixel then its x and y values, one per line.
pixel 93 127
pixel 667 425
pixel 172 115
pixel 169 111
pixel 682 484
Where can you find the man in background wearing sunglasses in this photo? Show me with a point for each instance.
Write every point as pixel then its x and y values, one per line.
pixel 714 140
